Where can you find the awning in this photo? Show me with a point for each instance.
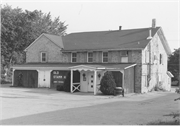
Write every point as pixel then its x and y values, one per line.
pixel 74 66
pixel 110 66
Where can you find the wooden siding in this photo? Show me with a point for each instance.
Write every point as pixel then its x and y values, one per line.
pixel 129 80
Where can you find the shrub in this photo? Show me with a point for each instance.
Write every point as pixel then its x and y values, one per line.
pixel 108 85
pixel 67 83
pixel 177 90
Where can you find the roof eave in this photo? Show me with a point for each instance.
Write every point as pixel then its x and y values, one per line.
pixel 164 41
pixel 86 50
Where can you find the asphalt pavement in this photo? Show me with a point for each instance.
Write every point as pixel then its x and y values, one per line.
pixel 133 110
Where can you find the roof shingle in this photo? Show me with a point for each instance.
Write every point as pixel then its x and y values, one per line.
pixel 117 39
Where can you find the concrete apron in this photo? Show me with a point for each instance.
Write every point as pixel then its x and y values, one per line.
pixel 16 102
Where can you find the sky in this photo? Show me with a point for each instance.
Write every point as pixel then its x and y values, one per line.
pixel 94 15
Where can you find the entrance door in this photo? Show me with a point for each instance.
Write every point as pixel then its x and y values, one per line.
pixel 90 82
pixel 44 79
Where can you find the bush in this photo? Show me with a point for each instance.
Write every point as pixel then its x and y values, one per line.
pixel 59 88
pixel 108 85
pixel 67 83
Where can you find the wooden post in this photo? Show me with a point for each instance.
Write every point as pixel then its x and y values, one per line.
pixel 123 78
pixel 71 81
pixel 95 79
pixel 13 77
pixel 38 78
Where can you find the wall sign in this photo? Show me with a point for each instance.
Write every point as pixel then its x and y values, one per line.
pixel 58 77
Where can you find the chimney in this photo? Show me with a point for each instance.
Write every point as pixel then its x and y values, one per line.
pixel 150 34
pixel 154 23
pixel 120 27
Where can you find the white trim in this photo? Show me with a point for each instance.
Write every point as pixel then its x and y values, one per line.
pixel 170 74
pixel 71 85
pixel 82 67
pixel 130 66
pixel 41 68
pixel 13 77
pixel 95 82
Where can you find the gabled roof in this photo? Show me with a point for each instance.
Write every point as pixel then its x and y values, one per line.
pixel 131 39
pixel 57 40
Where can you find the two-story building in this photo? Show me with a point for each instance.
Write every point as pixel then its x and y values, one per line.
pixel 136 57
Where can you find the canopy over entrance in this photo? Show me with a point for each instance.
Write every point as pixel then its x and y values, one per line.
pixel 96 68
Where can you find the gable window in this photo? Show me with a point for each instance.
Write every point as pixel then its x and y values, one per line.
pixel 74 57
pixel 90 57
pixel 43 57
pixel 105 57
pixel 160 59
pixel 124 56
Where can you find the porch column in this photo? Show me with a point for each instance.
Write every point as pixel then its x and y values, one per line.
pixel 38 78
pixel 95 79
pixel 122 71
pixel 71 81
pixel 13 76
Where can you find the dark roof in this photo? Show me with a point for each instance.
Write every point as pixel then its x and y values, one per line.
pixel 34 66
pixel 117 39
pixel 56 39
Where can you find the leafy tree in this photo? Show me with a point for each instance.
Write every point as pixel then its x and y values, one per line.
pixel 108 85
pixel 173 64
pixel 20 28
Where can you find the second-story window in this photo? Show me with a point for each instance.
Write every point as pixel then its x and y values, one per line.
pixel 90 57
pixel 43 57
pixel 124 56
pixel 74 57
pixel 105 57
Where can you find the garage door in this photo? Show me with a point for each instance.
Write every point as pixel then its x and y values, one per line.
pixel 25 78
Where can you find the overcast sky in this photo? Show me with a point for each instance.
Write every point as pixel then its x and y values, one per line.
pixel 109 15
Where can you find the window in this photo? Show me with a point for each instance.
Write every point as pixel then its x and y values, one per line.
pixel 124 53
pixel 74 57
pixel 105 57
pixel 90 57
pixel 124 59
pixel 160 59
pixel 43 57
pixel 124 56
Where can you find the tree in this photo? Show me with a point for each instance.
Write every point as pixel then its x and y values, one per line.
pixel 108 85
pixel 20 28
pixel 173 64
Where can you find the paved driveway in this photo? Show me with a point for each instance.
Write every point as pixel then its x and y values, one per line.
pixel 19 102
